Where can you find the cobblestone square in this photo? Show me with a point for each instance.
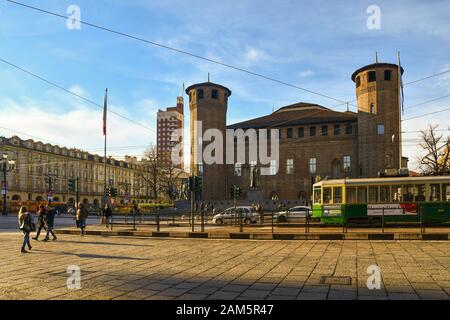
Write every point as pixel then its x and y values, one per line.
pixel 149 268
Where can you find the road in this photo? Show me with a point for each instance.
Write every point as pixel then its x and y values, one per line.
pixel 138 268
pixel 9 222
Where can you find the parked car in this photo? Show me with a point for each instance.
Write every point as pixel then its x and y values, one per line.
pixel 292 214
pixel 249 215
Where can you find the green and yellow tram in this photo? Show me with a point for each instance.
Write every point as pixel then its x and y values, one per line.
pixel 395 199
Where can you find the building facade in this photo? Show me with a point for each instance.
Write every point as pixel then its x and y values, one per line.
pixel 314 141
pixel 170 129
pixel 37 162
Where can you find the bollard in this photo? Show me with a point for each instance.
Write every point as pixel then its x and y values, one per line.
pixel 382 221
pixel 157 222
pixel 272 221
pixel 344 224
pixel 241 225
pixel 307 222
pixel 203 221
pixel 422 220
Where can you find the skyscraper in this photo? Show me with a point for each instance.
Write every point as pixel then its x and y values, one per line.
pixel 170 124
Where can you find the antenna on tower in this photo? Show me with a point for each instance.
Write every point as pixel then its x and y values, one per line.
pixel 208 77
pixel 347 107
pixel 376 56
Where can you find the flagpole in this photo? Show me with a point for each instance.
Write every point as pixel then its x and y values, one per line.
pixel 399 111
pixel 105 110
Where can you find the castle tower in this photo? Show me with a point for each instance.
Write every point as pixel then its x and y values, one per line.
pixel 208 103
pixel 379 128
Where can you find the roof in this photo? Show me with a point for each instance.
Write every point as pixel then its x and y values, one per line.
pixel 388 180
pixel 208 84
pixel 373 66
pixel 297 114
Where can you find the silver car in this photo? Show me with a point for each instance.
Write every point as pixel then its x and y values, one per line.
pixel 294 213
pixel 249 215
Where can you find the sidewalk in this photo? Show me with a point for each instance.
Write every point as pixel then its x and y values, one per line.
pixel 264 232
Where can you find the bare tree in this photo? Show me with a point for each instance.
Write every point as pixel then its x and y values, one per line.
pixel 169 178
pixel 436 160
pixel 152 171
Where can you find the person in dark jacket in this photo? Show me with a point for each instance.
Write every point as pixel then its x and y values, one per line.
pixel 25 224
pixel 49 219
pixel 40 221
pixel 108 215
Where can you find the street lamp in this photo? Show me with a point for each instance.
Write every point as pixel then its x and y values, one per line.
pixel 6 166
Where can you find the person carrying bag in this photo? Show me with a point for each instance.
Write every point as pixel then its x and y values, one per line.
pixel 26 225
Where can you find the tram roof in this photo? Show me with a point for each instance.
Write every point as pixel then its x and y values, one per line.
pixel 389 180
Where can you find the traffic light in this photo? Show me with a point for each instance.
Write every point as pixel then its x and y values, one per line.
pixel 238 192
pixel 198 184
pixel 113 192
pixel 236 189
pixel 72 185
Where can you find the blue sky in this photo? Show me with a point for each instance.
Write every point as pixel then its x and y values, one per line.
pixel 313 44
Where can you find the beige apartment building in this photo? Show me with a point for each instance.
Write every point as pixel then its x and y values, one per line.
pixel 37 162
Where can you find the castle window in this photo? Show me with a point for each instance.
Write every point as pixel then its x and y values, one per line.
pixel 214 94
pixel 312 165
pixel 347 163
pixel 289 133
pixel 372 76
pixel 324 130
pixel 238 169
pixel 273 167
pixel 301 132
pixel 200 94
pixel 289 166
pixel 380 129
pixel 387 75
pixel 312 131
pixel 337 130
pixel 372 108
pixel 348 128
pixel 358 81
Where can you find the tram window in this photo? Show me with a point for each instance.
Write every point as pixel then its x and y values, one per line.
pixel 385 194
pixel 337 195
pixel 362 194
pixel 373 194
pixel 435 192
pixel 350 195
pixel 420 195
pixel 409 192
pixel 317 195
pixel 446 192
pixel 396 194
pixel 326 195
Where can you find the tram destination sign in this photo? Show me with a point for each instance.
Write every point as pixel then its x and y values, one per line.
pixel 392 209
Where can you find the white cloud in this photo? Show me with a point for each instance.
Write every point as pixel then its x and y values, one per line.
pixel 254 55
pixel 305 73
pixel 80 127
pixel 78 90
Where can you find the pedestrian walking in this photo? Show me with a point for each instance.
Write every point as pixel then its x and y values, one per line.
pixel 26 225
pixel 82 214
pixel 40 221
pixel 49 219
pixel 108 215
